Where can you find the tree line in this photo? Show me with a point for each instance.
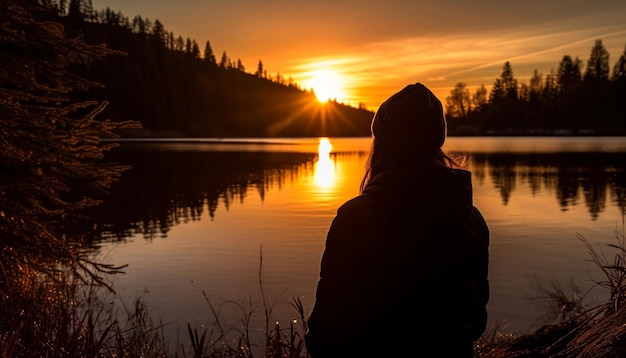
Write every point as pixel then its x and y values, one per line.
pixel 163 81
pixel 175 89
pixel 568 100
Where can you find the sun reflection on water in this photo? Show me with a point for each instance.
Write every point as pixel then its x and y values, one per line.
pixel 325 165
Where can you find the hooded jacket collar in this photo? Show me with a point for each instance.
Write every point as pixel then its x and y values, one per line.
pixel 435 189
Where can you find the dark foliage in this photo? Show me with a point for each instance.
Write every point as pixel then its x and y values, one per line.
pixel 50 150
pixel 564 102
pixel 161 81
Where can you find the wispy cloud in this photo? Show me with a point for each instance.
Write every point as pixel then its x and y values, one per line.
pixel 378 69
pixel 377 47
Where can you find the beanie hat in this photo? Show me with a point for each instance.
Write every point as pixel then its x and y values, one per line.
pixel 411 119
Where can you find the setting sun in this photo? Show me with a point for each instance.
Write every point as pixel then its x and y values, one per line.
pixel 326 85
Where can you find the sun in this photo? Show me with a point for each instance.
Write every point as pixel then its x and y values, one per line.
pixel 327 85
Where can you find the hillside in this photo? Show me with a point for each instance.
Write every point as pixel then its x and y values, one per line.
pixel 177 93
pixel 163 81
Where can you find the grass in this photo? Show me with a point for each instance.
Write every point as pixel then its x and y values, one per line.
pixel 64 316
pixel 242 340
pixel 494 336
pixel 573 321
pixel 612 268
pixel 68 318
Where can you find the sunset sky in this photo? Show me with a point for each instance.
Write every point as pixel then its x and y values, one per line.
pixel 373 49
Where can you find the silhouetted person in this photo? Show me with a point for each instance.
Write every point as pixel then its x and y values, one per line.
pixel 404 272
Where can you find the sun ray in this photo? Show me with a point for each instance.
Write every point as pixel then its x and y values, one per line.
pixel 326 83
pixel 326 86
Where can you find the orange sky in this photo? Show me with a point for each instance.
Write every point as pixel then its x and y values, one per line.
pixel 376 48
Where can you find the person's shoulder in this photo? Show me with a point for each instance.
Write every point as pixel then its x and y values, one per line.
pixel 460 173
pixel 358 221
pixel 360 209
pixel 358 203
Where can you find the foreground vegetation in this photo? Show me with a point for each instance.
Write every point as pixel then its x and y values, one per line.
pixel 582 331
pixel 54 300
pixel 64 316
pixel 67 317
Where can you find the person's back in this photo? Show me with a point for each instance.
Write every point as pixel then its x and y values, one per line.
pixel 405 267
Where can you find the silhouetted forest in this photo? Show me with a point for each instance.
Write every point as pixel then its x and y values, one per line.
pixel 162 80
pixel 570 100
pixel 175 89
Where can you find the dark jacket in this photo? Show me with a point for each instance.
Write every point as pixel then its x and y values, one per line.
pixel 404 269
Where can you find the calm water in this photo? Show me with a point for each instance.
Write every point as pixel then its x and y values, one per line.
pixel 193 219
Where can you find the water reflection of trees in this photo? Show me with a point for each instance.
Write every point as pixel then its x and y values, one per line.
pixel 573 177
pixel 166 188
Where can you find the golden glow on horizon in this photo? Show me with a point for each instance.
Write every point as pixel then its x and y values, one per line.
pixel 325 165
pixel 326 84
pixel 411 43
pixel 370 72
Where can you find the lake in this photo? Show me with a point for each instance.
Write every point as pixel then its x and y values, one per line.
pixel 242 223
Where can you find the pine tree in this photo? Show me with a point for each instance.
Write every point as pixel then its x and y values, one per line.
pixel 504 87
pixel 208 53
pixel 195 50
pixel 240 66
pixel 509 82
pixel 598 63
pixel 51 152
pixel 259 71
pixel 188 45
pixel 159 31
pixel 224 61
pixel 568 74
pixel 139 26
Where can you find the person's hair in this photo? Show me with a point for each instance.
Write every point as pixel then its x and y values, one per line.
pixel 381 159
